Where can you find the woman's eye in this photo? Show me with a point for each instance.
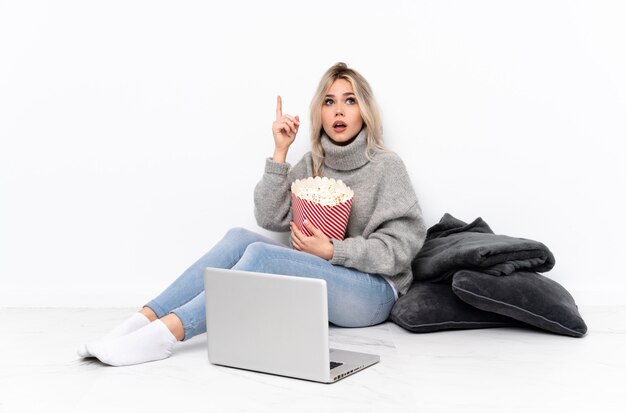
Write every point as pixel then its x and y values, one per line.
pixel 350 101
pixel 328 102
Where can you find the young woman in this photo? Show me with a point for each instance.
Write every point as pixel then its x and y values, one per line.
pixel 365 272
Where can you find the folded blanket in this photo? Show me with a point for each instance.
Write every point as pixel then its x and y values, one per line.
pixel 453 245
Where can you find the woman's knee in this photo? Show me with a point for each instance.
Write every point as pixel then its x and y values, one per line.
pixel 258 256
pixel 258 250
pixel 270 258
pixel 238 233
pixel 245 237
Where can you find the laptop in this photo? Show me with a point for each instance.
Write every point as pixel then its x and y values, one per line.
pixel 274 324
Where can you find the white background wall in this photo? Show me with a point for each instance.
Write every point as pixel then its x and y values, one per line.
pixel 133 132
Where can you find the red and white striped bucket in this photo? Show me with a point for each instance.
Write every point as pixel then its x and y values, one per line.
pixel 332 220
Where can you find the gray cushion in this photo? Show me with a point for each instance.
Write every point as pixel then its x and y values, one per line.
pixel 429 307
pixel 525 296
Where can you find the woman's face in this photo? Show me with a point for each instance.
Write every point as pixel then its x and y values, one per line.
pixel 341 117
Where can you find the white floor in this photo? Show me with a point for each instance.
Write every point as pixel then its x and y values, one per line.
pixel 475 370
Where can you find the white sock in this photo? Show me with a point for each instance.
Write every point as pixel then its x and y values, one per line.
pixel 133 323
pixel 150 343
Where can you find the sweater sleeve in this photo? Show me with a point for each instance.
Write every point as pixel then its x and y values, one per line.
pixel 272 195
pixel 394 234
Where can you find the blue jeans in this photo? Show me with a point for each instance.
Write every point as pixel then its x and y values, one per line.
pixel 355 298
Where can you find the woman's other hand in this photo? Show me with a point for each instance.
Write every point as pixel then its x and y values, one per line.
pixel 316 244
pixel 284 129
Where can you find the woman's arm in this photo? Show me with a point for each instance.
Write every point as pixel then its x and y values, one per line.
pixel 272 195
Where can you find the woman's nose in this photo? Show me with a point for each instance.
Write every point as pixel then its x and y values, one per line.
pixel 338 110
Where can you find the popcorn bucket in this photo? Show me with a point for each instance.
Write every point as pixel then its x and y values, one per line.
pixel 324 202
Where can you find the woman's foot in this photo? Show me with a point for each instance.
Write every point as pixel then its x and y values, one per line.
pixel 150 343
pixel 131 324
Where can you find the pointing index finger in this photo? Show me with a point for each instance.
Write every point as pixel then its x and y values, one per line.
pixel 279 107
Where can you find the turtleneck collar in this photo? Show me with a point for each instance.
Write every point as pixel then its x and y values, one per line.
pixel 345 158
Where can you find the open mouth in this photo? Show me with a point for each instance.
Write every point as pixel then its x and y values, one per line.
pixel 339 126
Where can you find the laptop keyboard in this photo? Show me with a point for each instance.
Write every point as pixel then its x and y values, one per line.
pixel 334 364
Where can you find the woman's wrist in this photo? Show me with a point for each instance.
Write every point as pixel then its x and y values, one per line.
pixel 330 250
pixel 280 155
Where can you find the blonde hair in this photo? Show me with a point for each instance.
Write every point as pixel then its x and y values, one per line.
pixel 367 106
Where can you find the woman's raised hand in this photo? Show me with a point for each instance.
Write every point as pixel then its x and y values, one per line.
pixel 284 128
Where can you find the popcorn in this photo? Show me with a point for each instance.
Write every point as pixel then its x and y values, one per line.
pixel 324 202
pixel 327 196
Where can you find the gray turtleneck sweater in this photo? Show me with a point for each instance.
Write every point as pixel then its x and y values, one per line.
pixel 385 230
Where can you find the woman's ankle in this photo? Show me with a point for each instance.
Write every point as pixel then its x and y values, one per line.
pixel 150 315
pixel 175 325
